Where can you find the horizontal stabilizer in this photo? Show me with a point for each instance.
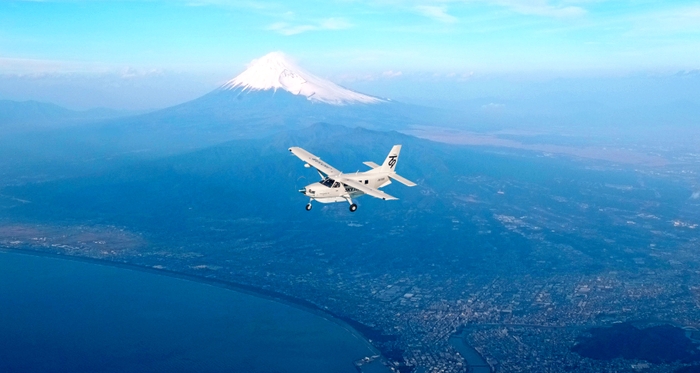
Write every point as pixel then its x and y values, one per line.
pixel 402 180
pixel 371 164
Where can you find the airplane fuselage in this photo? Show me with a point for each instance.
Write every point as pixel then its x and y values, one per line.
pixel 329 190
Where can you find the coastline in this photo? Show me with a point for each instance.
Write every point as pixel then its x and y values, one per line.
pixel 356 328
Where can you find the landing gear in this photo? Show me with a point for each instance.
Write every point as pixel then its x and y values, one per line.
pixel 353 206
pixel 308 206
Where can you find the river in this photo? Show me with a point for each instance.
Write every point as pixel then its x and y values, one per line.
pixel 474 360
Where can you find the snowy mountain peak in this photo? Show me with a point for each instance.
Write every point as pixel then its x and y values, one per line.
pixel 275 71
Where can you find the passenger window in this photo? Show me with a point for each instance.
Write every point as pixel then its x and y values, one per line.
pixel 366 181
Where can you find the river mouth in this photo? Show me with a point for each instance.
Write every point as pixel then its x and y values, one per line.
pixel 475 362
pixel 71 316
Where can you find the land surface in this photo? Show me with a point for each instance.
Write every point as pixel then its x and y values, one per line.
pixel 526 249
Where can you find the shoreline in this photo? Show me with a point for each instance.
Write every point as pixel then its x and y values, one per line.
pixel 354 327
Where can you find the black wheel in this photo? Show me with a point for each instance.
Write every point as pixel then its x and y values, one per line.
pixel 308 207
pixel 353 207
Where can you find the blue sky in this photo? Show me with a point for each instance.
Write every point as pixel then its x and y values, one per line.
pixel 202 42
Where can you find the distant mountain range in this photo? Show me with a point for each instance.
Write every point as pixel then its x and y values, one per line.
pixel 272 95
pixel 22 115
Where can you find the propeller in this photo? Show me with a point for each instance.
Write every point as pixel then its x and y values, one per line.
pixel 296 182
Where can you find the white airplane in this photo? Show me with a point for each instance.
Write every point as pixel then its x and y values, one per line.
pixel 336 186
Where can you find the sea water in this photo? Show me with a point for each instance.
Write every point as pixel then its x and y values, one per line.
pixel 60 315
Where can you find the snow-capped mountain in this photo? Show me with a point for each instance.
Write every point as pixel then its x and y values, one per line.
pixel 275 71
pixel 271 95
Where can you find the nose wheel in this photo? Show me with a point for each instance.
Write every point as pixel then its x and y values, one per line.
pixel 308 206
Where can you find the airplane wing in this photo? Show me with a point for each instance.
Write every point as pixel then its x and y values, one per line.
pixel 314 161
pixel 367 190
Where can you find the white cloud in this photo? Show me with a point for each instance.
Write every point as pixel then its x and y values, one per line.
pixel 38 67
pixel 131 73
pixel 493 106
pixel 392 74
pixel 695 195
pixel 22 68
pixel 541 8
pixel 335 24
pixel 678 20
pixel 288 29
pixel 546 8
pixel 438 13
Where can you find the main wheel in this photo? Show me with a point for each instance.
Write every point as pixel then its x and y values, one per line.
pixel 353 207
pixel 308 207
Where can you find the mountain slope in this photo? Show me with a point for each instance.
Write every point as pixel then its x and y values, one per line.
pixel 275 71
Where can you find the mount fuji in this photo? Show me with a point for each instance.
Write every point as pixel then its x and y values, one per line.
pixel 272 95
pixel 275 71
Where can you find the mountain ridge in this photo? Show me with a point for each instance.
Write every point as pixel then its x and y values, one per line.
pixel 32 113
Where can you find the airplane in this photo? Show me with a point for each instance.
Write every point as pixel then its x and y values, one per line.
pixel 336 186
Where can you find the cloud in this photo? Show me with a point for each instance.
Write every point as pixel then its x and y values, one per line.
pixel 131 73
pixel 335 24
pixel 288 29
pixel 392 74
pixel 246 4
pixel 493 106
pixel 36 69
pixel 677 20
pixel 545 8
pixel 438 13
pixel 695 195
pixel 540 8
pixel 39 67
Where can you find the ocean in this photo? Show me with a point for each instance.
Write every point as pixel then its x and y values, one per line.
pixel 59 315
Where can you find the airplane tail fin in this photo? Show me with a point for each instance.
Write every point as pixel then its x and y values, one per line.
pixel 389 164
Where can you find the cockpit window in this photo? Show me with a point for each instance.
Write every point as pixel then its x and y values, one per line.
pixel 327 182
